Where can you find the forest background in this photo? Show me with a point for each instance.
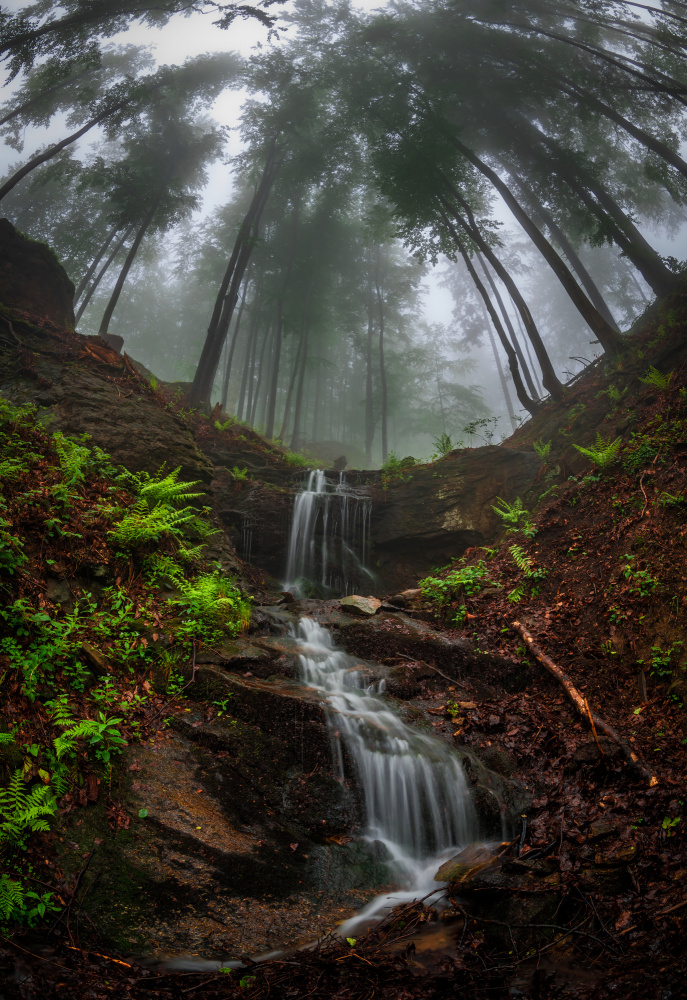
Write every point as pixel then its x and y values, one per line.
pixel 356 325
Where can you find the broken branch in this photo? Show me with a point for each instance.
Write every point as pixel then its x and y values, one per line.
pixel 581 704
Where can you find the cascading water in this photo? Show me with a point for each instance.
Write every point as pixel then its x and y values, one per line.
pixel 329 538
pixel 416 797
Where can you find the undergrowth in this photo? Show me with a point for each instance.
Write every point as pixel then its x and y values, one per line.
pixel 88 553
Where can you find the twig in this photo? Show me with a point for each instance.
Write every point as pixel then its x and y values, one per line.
pixel 13 944
pixel 424 663
pixel 580 704
pixel 66 912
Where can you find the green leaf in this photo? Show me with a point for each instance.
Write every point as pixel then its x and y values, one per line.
pixel 142 813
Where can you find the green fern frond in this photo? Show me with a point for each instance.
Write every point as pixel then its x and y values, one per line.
pixel 24 811
pixel 141 525
pixel 517 594
pixel 657 379
pixel 158 567
pixel 11 896
pixel 521 559
pixel 603 453
pixel 73 458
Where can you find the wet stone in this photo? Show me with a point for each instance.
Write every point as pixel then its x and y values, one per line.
pixel 366 607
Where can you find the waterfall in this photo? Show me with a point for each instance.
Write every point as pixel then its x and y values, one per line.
pixel 417 802
pixel 329 539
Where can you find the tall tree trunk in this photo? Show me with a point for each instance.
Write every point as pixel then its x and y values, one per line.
pixel 469 225
pixel 296 439
pixel 232 348
pixel 317 404
pixel 292 384
pixel 52 151
pixel 229 288
pixel 609 338
pixel 256 374
pixel 250 349
pixel 276 350
pixel 369 379
pixel 499 370
pixel 382 366
pixel 133 250
pixel 525 364
pixel 100 275
pixel 566 246
pixel 96 260
pixel 529 404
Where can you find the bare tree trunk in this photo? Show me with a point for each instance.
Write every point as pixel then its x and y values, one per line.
pixel 529 404
pixel 229 288
pixel 98 278
pixel 94 263
pixel 382 367
pixel 262 370
pixel 566 246
pixel 499 369
pixel 524 364
pixel 292 384
pixel 133 250
pixel 609 338
pixel 237 327
pixel 52 151
pixel 369 380
pixel 469 225
pixel 296 439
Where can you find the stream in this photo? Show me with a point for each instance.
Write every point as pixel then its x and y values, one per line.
pixel 417 802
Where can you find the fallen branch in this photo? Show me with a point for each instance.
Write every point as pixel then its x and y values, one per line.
pixel 581 705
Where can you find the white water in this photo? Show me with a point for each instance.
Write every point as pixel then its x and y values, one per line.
pixel 416 797
pixel 329 537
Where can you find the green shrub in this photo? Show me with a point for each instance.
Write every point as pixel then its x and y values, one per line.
pixel 455 586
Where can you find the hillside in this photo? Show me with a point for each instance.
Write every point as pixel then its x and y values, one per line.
pixel 168 784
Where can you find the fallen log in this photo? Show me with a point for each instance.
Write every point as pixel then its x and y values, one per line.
pixel 582 706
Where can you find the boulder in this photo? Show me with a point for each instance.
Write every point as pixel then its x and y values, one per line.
pixel 365 607
pixel 33 280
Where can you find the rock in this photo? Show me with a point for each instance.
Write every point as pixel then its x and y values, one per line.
pixel 33 280
pixel 58 591
pixel 444 508
pixel 601 828
pixel 113 341
pixel 99 664
pixel 400 600
pixel 363 606
pixel 463 867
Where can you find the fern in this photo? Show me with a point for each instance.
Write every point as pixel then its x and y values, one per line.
pixel 143 525
pixel 6 739
pixel 603 453
pixel 24 811
pixel 516 517
pixel 532 576
pixel 11 469
pixel 11 897
pixel 158 567
pixel 60 711
pixel 103 736
pixel 158 489
pixel 657 379
pixel 521 559
pixel 73 458
pixel 542 449
pixel 215 601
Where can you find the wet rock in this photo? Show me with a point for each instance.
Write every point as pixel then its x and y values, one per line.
pixel 239 653
pixel 363 606
pixel 461 868
pixel 98 663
